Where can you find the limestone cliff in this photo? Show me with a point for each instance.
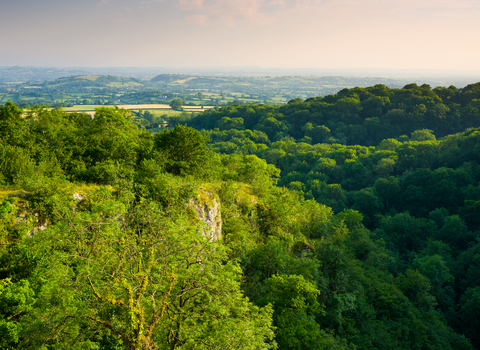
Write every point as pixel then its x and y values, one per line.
pixel 207 206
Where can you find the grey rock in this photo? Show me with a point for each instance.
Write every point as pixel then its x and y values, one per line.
pixel 207 206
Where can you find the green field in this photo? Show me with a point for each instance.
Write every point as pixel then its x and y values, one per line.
pixel 161 112
pixel 81 108
pixel 123 84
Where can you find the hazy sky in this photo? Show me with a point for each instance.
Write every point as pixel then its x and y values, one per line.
pixel 405 34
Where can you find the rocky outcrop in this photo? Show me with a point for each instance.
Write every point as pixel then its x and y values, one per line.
pixel 207 206
pixel 78 197
pixel 23 214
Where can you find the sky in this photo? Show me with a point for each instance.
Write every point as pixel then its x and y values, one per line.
pixel 321 34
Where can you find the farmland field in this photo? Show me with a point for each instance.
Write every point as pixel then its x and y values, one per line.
pixel 157 109
pixel 145 106
pixel 123 84
pixel 81 108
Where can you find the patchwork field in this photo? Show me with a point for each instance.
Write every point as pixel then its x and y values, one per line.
pixel 151 107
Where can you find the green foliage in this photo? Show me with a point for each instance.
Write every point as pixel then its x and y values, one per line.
pixel 163 187
pixel 12 124
pixel 251 170
pixel 184 148
pixel 470 313
pixel 363 116
pixel 15 164
pixel 176 104
pixel 423 135
pixel 111 135
pixel 295 303
pixel 143 276
pixel 405 233
pixel 16 300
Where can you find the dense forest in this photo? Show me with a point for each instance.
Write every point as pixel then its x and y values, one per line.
pixel 350 221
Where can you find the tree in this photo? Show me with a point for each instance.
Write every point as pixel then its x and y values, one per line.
pixel 13 127
pixel 320 134
pixel 423 135
pixel 387 189
pixel 147 115
pixel 16 299
pixel 470 312
pixel 366 202
pixel 176 104
pixel 404 233
pixel 184 148
pixel 455 233
pixel 227 123
pixel 111 136
pixel 308 129
pixel 294 300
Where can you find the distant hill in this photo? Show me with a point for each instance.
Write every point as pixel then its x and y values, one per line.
pixel 24 74
pixel 94 81
pixel 168 78
pixel 36 74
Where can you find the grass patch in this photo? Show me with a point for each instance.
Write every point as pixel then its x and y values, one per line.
pixel 83 188
pixel 161 112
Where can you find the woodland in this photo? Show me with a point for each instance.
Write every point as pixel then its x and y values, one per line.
pixel 350 221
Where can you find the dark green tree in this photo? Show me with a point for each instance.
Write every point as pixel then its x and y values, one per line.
pixel 185 150
pixel 176 104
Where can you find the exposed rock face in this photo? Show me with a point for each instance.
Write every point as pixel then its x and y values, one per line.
pixel 24 215
pixel 38 226
pixel 207 207
pixel 78 197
